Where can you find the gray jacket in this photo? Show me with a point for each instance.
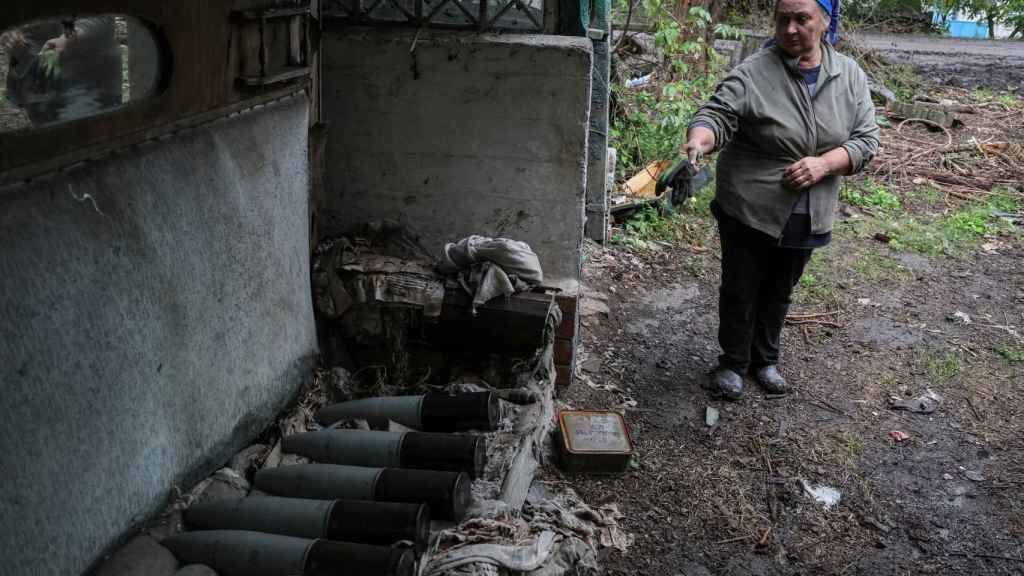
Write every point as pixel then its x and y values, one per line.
pixel 765 120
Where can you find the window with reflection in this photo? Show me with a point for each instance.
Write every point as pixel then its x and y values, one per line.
pixel 72 67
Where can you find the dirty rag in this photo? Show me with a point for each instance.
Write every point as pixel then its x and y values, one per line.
pixel 491 267
pixel 515 558
pixel 382 266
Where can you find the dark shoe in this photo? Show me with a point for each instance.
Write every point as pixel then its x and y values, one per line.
pixel 770 379
pixel 728 383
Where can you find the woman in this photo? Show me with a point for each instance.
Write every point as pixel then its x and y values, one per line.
pixel 789 121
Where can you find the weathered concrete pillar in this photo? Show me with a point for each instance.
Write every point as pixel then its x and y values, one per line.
pixel 597 146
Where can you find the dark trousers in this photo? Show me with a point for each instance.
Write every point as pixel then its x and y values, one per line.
pixel 758 278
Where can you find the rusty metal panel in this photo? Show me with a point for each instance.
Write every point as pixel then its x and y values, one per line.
pixel 594 441
pixel 205 56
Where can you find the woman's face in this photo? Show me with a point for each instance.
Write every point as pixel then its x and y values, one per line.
pixel 798 26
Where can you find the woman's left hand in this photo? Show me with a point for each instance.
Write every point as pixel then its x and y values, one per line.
pixel 806 172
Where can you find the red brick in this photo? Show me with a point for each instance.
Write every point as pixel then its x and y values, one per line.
pixel 563 375
pixel 568 304
pixel 565 351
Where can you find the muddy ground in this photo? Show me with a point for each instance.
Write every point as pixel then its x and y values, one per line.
pixel 962 63
pixel 872 322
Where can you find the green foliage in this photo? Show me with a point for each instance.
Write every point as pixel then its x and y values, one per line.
pixel 955 232
pixel 941 366
pixel 870 194
pixel 900 78
pixel 649 124
pixel 819 280
pixel 49 64
pixel 1012 355
pixel 1006 200
pixel 647 224
pixel 927 194
pixel 809 280
pixel 700 203
pixel 1009 12
pixel 871 13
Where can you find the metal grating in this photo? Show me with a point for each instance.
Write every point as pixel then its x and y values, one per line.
pixel 515 15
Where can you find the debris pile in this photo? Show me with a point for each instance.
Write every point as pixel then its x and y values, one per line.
pixel 404 321
pixel 963 143
pixel 428 431
pixel 555 534
pixel 963 154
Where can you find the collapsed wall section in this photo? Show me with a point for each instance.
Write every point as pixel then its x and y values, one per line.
pixel 456 134
pixel 155 314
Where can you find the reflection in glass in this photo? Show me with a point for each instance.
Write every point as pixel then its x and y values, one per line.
pixel 63 69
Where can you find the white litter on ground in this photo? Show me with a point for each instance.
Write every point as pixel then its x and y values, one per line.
pixel 824 495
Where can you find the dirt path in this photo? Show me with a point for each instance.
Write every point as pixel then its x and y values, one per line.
pixel 957 62
pixel 731 500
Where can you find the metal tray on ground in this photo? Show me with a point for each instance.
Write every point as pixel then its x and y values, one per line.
pixel 594 442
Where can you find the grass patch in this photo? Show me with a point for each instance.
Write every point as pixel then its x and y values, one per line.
pixel 649 224
pixel 953 233
pixel 878 268
pixel 840 448
pixel 847 448
pixel 982 94
pixel 700 203
pixel 926 194
pixel 990 95
pixel 1012 354
pixel 941 366
pixel 870 194
pixel 820 278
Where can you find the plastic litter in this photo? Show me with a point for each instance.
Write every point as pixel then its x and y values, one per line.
pixel 924 404
pixel 711 416
pixel 824 495
pixel 899 435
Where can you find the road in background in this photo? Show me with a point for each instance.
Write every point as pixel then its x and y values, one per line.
pixel 967 63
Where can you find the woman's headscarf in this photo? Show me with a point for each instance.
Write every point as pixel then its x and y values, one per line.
pixel 832 7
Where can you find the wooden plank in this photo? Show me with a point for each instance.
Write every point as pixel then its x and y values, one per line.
pixel 91 152
pixel 509 326
pixel 643 184
pixel 285 76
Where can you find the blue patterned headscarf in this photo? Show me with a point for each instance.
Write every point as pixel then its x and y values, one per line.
pixel 832 7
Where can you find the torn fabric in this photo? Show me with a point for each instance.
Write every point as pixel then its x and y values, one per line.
pixel 491 267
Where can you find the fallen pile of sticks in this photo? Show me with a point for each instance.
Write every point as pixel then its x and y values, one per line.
pixel 969 169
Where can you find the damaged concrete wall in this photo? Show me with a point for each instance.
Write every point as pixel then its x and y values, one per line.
pixel 459 134
pixel 155 313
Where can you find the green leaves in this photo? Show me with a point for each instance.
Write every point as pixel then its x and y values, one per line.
pixel 1009 12
pixel 650 123
pixel 49 63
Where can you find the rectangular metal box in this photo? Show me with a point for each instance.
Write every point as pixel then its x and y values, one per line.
pixel 594 442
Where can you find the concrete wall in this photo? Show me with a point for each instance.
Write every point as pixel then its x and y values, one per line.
pixel 154 314
pixel 600 96
pixel 459 134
